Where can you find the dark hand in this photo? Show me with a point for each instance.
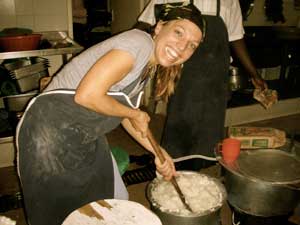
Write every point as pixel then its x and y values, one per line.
pixel 259 83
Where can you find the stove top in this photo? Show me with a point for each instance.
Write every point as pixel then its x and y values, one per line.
pixel 246 219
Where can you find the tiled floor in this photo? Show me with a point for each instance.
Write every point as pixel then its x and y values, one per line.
pixel 119 138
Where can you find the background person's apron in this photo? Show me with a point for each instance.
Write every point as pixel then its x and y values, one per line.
pixel 64 157
pixel 196 111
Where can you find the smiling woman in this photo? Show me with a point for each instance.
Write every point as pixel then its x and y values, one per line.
pixel 172 51
pixel 185 22
pixel 64 157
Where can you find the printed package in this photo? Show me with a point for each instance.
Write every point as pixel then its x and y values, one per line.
pixel 258 137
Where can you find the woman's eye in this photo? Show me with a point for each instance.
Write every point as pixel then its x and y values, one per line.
pixel 178 33
pixel 193 46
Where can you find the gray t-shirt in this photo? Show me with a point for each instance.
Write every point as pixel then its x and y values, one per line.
pixel 136 42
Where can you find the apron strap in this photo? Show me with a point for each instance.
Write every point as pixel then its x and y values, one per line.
pixel 218 8
pixel 192 2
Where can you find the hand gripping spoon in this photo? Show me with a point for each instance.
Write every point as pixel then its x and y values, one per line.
pixel 162 160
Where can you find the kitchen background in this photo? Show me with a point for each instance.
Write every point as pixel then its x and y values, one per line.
pixel 105 18
pixel 56 15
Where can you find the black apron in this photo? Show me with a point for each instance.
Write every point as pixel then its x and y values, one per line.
pixel 64 157
pixel 196 111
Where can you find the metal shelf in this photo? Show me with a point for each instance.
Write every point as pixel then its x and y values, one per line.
pixel 8 139
pixel 61 44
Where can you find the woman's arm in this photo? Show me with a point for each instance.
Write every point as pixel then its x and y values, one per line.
pixel 167 169
pixel 240 49
pixel 107 71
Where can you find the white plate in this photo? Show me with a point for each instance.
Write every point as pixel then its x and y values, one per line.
pixel 112 212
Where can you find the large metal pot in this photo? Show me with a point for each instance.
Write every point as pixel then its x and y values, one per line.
pixel 263 182
pixel 211 217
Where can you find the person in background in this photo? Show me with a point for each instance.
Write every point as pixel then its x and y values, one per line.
pixel 64 160
pixel 196 112
pixel 79 21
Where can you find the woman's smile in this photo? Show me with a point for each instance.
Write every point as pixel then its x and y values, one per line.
pixel 171 54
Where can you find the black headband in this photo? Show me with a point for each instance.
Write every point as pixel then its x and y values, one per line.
pixel 173 11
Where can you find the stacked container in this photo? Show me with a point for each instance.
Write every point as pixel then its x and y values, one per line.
pixel 27 72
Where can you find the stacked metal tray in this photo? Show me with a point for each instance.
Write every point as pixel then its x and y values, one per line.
pixel 27 72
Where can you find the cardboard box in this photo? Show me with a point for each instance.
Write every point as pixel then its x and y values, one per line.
pixel 258 137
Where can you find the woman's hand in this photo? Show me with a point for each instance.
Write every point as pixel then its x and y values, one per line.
pixel 166 169
pixel 140 122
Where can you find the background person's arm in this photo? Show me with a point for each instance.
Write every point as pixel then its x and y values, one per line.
pixel 234 24
pixel 240 50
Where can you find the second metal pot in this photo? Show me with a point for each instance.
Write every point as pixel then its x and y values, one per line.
pixel 264 182
pixel 260 198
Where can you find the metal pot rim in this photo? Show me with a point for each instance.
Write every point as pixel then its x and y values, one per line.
pixel 234 168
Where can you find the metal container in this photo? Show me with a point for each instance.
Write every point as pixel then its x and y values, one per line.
pixel 26 66
pixel 263 182
pixel 211 217
pixel 31 82
pixel 18 103
pixel 27 72
pixel 237 81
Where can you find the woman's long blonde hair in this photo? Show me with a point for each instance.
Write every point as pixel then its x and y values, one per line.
pixel 166 80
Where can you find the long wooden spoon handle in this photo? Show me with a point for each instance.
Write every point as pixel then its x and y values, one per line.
pixel 156 147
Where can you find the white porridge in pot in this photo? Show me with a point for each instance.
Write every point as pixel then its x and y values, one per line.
pixel 203 193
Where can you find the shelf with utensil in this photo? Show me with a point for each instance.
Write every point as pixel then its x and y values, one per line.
pixel 52 43
pixel 27 70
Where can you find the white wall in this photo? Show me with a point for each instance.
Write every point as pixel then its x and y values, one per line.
pixel 38 15
pixel 125 13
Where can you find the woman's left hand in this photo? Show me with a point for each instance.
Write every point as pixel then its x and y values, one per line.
pixel 140 122
pixel 167 168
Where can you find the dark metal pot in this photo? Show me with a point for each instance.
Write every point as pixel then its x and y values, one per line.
pixel 211 217
pixel 263 182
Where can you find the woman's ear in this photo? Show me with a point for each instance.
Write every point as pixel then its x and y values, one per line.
pixel 158 27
